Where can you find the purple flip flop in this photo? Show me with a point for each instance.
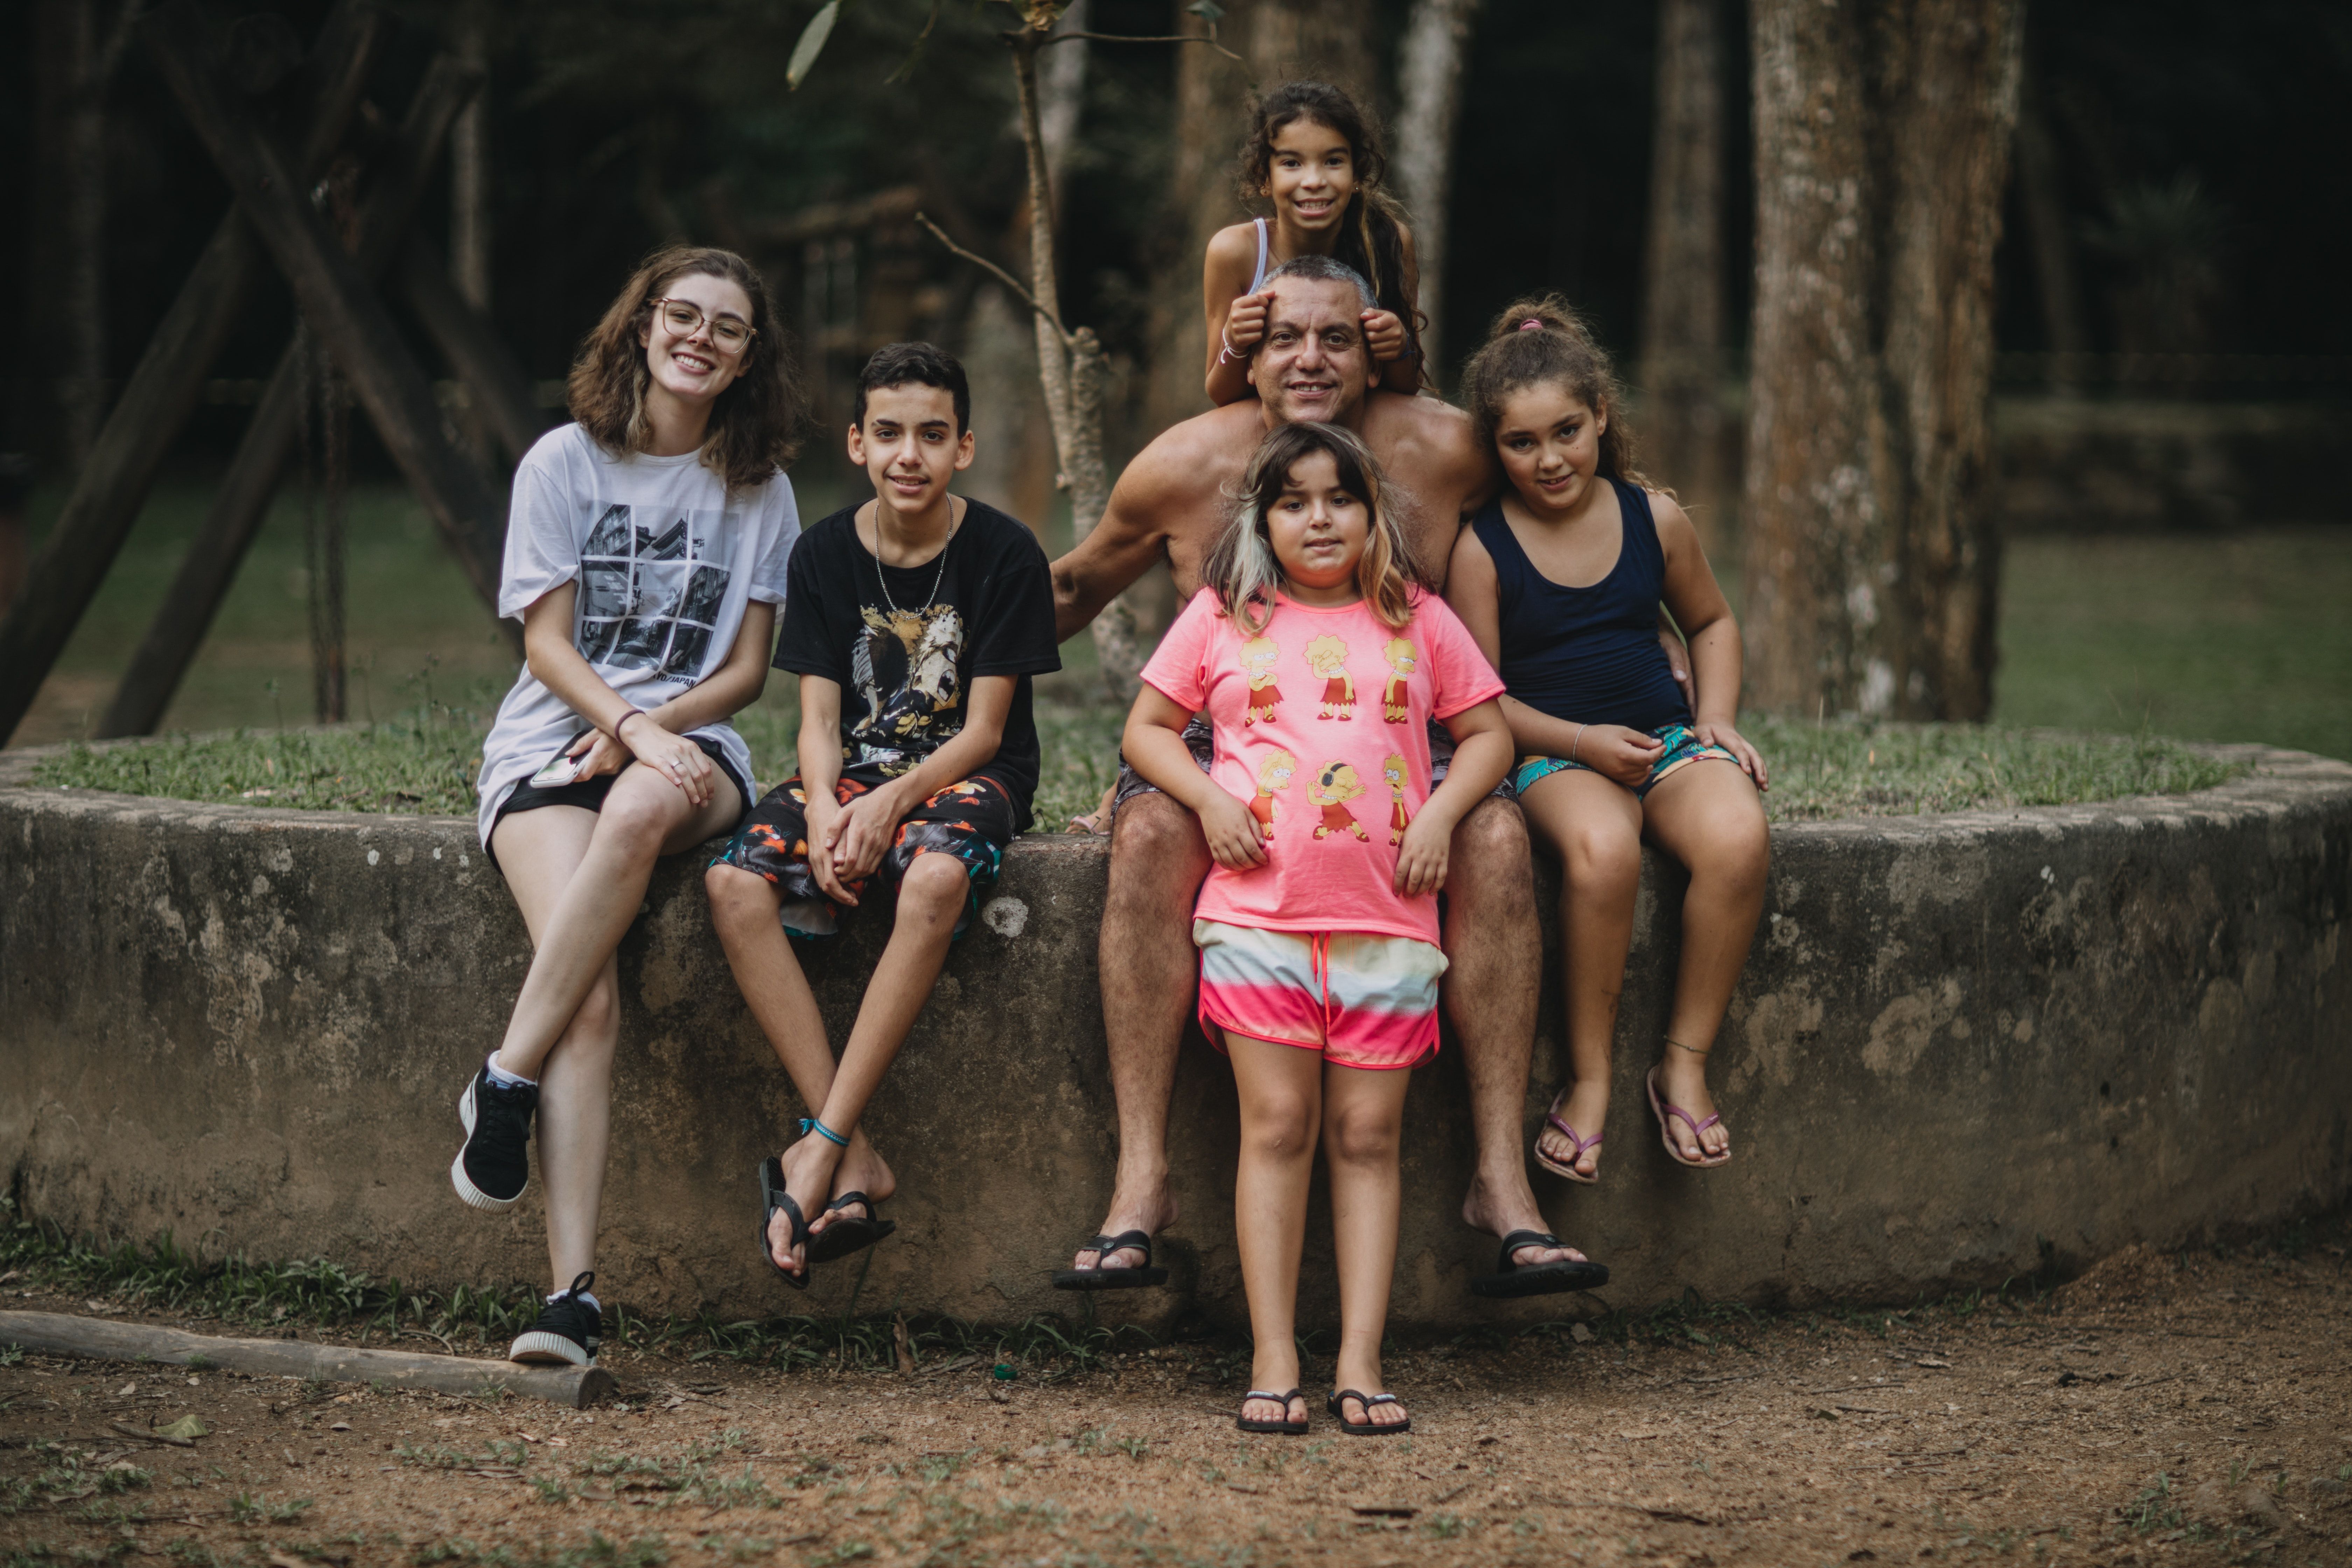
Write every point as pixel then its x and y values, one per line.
pixel 1662 1109
pixel 1580 1143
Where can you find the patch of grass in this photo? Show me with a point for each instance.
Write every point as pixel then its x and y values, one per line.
pixel 426 762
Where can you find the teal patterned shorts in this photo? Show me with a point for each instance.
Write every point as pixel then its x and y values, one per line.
pixel 1682 747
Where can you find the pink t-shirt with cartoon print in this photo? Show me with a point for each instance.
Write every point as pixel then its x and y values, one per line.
pixel 1322 730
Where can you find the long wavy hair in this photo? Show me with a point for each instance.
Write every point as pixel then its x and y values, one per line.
pixel 755 424
pixel 1542 340
pixel 1241 568
pixel 1371 236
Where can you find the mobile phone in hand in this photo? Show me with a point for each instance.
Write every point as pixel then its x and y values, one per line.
pixel 562 768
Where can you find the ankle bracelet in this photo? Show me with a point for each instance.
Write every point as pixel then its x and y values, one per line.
pixel 811 1124
pixel 1691 1049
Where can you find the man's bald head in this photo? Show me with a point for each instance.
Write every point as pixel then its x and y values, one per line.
pixel 1313 365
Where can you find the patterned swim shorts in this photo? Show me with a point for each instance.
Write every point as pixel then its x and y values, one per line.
pixel 972 821
pixel 1362 1001
pixel 1682 747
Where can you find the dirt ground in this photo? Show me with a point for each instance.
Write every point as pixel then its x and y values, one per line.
pixel 2159 1410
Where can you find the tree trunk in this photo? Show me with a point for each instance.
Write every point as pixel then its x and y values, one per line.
pixel 1061 100
pixel 2042 203
pixel 1815 537
pixel 1946 73
pixel 83 393
pixel 469 212
pixel 1683 305
pixel 1428 80
pixel 1882 142
pixel 1328 41
pixel 1072 375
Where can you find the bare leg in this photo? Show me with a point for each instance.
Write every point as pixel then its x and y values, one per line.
pixel 744 907
pixel 1363 1119
pixel 1281 1090
pixel 1595 827
pixel 931 896
pixel 539 852
pixel 1495 953
pixel 644 817
pixel 1709 816
pixel 1150 972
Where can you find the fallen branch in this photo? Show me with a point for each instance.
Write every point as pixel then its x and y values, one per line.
pixel 91 1339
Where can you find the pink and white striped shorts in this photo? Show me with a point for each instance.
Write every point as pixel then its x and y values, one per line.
pixel 1362 1001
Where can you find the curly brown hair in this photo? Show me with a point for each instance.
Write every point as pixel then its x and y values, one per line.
pixel 1542 339
pixel 1372 237
pixel 755 424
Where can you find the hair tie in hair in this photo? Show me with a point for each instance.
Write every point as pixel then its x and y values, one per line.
pixel 1531 324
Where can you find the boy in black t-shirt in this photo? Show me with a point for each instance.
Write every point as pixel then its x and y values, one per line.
pixel 914 622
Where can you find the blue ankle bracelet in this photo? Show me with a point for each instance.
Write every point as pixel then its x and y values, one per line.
pixel 811 1124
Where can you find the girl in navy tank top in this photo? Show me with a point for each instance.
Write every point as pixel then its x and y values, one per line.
pixel 1561 580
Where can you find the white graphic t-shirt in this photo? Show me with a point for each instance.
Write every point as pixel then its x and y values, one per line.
pixel 665 560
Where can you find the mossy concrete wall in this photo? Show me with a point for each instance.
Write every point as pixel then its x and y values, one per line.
pixel 1963 1043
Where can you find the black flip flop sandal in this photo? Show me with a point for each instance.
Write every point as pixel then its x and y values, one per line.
pixel 1367 1427
pixel 1538 1279
pixel 1284 1429
pixel 850 1233
pixel 1113 1278
pixel 775 1199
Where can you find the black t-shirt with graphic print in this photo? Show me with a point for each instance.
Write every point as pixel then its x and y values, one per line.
pixel 903 672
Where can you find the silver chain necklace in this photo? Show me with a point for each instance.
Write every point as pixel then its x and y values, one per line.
pixel 936 576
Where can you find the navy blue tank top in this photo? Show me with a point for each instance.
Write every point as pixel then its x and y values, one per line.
pixel 1589 656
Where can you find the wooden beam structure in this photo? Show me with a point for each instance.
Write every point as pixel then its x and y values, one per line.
pixel 335 298
pixel 96 1338
pixel 114 484
pixel 210 566
pixel 500 389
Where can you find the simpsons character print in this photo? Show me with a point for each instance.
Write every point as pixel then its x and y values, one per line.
pixel 904 665
pixel 648 597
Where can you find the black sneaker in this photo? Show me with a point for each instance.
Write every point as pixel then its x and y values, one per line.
pixel 566 1331
pixel 494 1167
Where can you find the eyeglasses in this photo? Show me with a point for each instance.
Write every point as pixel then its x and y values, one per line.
pixel 685 317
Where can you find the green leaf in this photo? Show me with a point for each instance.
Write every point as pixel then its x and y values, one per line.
pixel 1207 10
pixel 812 44
pixel 185 1427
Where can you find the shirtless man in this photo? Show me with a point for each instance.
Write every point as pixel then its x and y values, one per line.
pixel 1312 364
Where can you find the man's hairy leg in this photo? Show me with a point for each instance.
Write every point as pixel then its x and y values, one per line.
pixel 1496 952
pixel 1150 974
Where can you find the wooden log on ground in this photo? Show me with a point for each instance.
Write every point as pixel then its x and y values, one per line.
pixel 211 564
pixel 156 401
pixel 98 1338
pixel 335 299
pixel 473 348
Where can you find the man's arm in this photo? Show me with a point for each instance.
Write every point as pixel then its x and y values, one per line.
pixel 1127 541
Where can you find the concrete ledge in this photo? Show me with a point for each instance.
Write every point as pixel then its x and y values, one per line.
pixel 1961 1041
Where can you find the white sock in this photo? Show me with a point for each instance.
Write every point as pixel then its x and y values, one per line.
pixel 594 1305
pixel 504 1078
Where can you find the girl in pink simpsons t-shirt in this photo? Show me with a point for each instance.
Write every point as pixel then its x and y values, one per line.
pixel 1317 928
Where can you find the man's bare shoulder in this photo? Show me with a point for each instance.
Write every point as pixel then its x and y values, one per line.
pixel 1429 443
pixel 1198 457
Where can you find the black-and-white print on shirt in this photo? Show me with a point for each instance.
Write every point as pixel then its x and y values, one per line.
pixel 648 597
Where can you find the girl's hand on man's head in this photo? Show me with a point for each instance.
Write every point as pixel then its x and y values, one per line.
pixel 1422 858
pixel 1383 334
pixel 1245 323
pixel 1751 761
pixel 1234 841
pixel 1616 753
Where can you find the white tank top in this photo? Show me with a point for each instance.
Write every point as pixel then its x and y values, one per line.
pixel 1264 251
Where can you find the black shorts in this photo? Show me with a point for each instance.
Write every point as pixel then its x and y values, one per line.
pixel 589 795
pixel 1201 742
pixel 972 820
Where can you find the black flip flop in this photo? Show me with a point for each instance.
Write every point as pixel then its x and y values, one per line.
pixel 1367 1427
pixel 774 1199
pixel 1284 1429
pixel 1538 1279
pixel 850 1233
pixel 1113 1278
